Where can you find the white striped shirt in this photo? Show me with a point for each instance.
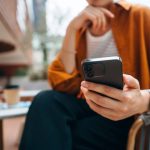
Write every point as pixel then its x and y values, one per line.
pixel 102 46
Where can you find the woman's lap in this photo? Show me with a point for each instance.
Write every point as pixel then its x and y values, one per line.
pixel 69 122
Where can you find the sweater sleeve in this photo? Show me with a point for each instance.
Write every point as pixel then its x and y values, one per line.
pixel 147 35
pixel 61 80
pixel 147 31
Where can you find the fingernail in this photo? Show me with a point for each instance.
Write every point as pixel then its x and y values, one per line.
pixel 84 84
pixel 82 89
pixel 113 16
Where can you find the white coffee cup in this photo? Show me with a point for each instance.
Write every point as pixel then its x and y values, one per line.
pixel 12 94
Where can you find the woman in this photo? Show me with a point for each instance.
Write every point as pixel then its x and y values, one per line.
pixel 61 119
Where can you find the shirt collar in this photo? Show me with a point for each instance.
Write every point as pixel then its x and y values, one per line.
pixel 124 4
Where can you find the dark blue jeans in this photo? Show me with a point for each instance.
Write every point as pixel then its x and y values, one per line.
pixel 58 121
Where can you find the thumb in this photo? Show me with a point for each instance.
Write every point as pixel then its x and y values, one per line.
pixel 131 82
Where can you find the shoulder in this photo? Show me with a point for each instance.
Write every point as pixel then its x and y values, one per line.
pixel 140 11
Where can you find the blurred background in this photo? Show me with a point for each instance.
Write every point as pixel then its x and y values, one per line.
pixel 31 34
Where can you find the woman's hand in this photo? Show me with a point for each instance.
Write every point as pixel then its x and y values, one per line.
pixel 117 104
pixel 95 18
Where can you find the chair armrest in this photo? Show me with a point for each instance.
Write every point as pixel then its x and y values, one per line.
pixel 142 120
pixel 146 118
pixel 137 125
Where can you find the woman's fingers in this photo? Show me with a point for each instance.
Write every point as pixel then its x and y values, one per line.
pixel 101 18
pixel 98 17
pixel 105 90
pixel 131 82
pixel 104 22
pixel 127 102
pixel 92 18
pixel 107 12
pixel 97 14
pixel 102 100
pixel 107 113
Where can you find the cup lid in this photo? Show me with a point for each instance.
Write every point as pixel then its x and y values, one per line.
pixel 11 87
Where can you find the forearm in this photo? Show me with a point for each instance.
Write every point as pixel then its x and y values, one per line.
pixel 68 52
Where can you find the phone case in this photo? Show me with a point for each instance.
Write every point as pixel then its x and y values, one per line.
pixel 106 70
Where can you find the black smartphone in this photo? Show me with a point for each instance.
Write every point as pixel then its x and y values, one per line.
pixel 105 70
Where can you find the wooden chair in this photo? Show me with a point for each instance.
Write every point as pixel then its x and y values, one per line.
pixel 139 135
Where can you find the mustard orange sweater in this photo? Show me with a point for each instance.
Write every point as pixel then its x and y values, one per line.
pixel 131 31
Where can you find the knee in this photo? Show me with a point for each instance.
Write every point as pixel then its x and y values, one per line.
pixel 43 100
pixel 43 97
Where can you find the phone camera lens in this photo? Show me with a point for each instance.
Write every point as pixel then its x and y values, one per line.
pixel 90 74
pixel 88 68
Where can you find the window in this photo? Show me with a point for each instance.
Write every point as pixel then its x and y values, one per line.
pixel 21 15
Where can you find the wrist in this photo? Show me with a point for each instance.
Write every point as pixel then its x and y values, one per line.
pixel 146 101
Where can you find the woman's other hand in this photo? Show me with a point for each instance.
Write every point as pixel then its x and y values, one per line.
pixel 94 18
pixel 116 104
